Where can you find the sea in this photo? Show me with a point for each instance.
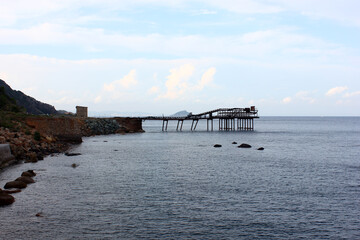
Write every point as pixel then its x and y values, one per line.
pixel 305 184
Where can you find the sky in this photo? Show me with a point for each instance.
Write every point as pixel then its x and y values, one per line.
pixel 138 57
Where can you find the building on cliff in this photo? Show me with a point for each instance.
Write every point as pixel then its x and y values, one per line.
pixel 81 111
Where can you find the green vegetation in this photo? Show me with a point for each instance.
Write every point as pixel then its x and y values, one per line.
pixel 37 136
pixel 7 103
pixel 10 113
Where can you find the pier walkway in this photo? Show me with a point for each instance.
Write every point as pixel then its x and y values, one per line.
pixel 230 119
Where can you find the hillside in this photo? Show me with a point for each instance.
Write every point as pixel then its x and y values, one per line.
pixel 183 113
pixel 7 103
pixel 31 105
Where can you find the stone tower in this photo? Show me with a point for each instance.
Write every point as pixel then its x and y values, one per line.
pixel 81 111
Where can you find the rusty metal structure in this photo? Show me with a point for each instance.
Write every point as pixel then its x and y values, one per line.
pixel 230 119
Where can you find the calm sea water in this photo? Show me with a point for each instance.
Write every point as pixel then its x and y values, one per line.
pixel 176 185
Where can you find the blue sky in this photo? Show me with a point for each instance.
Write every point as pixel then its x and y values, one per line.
pixel 289 58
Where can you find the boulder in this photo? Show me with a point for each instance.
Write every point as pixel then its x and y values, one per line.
pixel 72 154
pixel 39 214
pixel 26 180
pixel 244 145
pixel 234 142
pixel 12 191
pixel 74 165
pixel 260 148
pixel 29 173
pixel 15 184
pixel 217 145
pixel 5 198
pixel 31 157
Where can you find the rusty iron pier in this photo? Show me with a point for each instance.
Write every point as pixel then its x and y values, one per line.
pixel 230 119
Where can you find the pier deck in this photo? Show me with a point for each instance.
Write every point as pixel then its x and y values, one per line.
pixel 230 119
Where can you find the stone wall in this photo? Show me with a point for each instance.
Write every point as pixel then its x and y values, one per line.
pixel 63 128
pixel 71 129
pixel 6 158
pixel 130 125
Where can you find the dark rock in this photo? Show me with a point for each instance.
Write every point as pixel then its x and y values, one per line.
pixel 26 174
pixel 39 215
pixel 217 145
pixel 260 148
pixel 244 145
pixel 15 184
pixel 26 180
pixel 234 142
pixel 29 173
pixel 5 198
pixel 72 154
pixel 12 191
pixel 31 157
pixel 74 165
pixel 40 157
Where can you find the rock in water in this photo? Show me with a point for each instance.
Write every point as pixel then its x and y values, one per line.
pixel 26 180
pixel 72 154
pixel 244 145
pixel 74 165
pixel 217 145
pixel 260 148
pixel 15 184
pixel 5 198
pixel 234 142
pixel 29 173
pixel 12 191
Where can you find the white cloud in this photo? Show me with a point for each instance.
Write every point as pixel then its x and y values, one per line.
pixel 154 90
pixel 126 82
pixel 180 81
pixel 304 96
pixel 336 90
pixel 245 6
pixel 352 94
pixel 345 11
pixel 206 79
pixel 177 83
pixel 117 89
pixel 286 100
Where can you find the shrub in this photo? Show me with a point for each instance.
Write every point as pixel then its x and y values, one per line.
pixel 37 136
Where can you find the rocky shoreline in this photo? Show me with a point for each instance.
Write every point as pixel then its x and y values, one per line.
pixel 38 137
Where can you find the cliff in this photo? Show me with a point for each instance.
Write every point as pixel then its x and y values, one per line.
pixel 31 105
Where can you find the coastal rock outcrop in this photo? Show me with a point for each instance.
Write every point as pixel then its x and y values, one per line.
pixel 217 145
pixel 29 173
pixel 260 148
pixel 15 184
pixel 72 154
pixel 244 145
pixel 26 180
pixel 5 198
